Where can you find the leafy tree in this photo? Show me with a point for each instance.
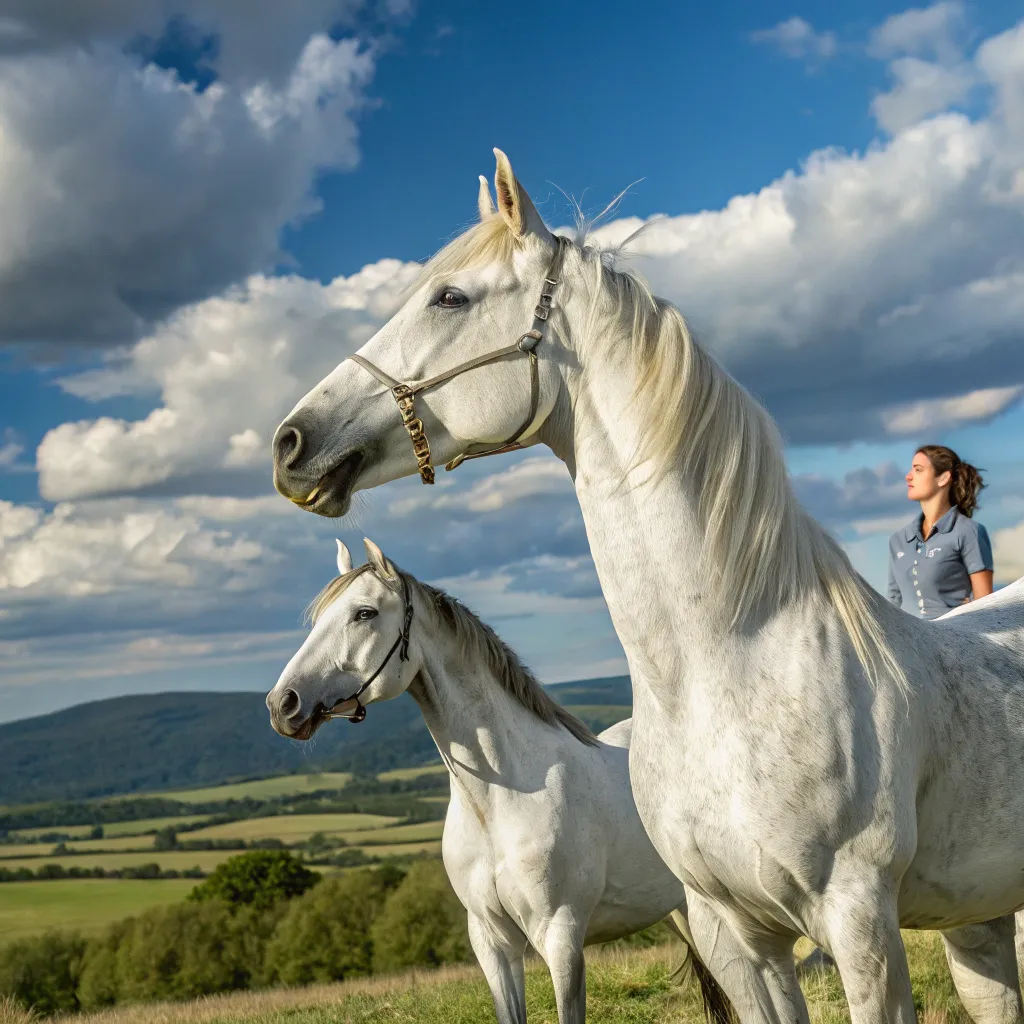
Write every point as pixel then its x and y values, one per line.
pixel 165 839
pixel 258 878
pixel 42 972
pixel 97 832
pixel 421 923
pixel 325 934
pixel 182 951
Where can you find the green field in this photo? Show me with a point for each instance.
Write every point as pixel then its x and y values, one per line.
pixel 413 773
pixel 292 828
pixel 260 789
pixel 177 860
pixel 623 987
pixel 117 828
pixel 85 904
pixel 400 833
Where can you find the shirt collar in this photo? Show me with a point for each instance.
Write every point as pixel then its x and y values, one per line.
pixel 913 530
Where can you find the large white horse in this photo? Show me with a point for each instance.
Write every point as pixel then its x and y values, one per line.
pixel 542 841
pixel 807 758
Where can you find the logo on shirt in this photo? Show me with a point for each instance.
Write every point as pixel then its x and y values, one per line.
pixel 934 552
pixel 899 554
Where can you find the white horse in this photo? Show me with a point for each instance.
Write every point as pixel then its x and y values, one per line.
pixel 805 757
pixel 542 841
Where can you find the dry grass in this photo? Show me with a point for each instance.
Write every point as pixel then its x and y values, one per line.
pixel 14 1013
pixel 624 986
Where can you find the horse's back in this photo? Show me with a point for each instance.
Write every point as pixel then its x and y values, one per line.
pixel 618 735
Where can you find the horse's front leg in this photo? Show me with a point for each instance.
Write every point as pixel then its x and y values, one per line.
pixel 562 949
pixel 499 947
pixel 862 924
pixel 758 974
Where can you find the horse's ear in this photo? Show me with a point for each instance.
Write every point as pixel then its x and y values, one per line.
pixel 514 204
pixel 344 559
pixel 483 200
pixel 381 566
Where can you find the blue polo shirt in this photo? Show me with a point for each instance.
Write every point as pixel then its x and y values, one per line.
pixel 928 576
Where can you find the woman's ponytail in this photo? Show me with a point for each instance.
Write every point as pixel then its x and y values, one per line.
pixel 965 480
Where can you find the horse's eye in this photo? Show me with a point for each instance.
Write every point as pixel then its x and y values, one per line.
pixel 366 613
pixel 450 299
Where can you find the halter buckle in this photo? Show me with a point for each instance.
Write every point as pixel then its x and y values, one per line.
pixel 541 312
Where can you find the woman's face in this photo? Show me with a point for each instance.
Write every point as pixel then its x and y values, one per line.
pixel 922 483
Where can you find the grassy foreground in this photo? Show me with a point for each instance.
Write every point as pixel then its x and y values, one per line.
pixel 630 986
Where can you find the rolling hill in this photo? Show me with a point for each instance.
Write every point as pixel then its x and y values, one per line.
pixel 178 740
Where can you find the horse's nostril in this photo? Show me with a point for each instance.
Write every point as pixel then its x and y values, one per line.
pixel 289 703
pixel 288 446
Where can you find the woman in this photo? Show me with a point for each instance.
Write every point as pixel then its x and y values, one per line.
pixel 941 558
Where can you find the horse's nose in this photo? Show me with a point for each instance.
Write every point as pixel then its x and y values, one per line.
pixel 287 446
pixel 289 703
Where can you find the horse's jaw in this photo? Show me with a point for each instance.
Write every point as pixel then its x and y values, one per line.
pixel 331 495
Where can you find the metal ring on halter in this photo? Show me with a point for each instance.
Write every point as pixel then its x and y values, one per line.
pixel 401 645
pixel 405 394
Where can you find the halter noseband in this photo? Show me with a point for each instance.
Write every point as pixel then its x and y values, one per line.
pixel 405 394
pixel 401 645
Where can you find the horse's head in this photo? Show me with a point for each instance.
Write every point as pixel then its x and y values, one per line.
pixel 485 291
pixel 360 649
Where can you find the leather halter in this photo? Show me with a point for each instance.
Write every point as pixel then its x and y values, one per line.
pixel 401 645
pixel 405 394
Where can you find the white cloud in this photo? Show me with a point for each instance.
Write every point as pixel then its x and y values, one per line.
pixel 922 88
pixel 255 38
pixel 869 279
pixel 125 193
pixel 528 479
pixel 228 369
pixel 77 551
pixel 918 418
pixel 938 31
pixel 10 449
pixel 1008 553
pixel 798 39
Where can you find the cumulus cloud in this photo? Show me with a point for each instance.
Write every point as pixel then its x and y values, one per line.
pixel 798 39
pixel 228 369
pixel 937 31
pixel 126 193
pixel 84 551
pixel 890 276
pixel 919 418
pixel 1008 553
pixel 253 39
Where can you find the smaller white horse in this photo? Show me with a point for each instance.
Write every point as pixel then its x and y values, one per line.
pixel 542 841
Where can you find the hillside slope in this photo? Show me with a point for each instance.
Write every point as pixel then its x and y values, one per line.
pixel 178 740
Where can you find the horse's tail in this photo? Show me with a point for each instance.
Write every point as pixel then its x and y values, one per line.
pixel 717 1008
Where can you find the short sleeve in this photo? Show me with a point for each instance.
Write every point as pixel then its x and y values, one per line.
pixel 892 589
pixel 976 550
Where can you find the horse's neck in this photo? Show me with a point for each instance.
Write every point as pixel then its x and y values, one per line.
pixel 646 540
pixel 481 730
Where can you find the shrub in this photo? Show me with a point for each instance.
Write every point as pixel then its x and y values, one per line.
pixel 42 972
pixel 176 952
pixel 422 922
pixel 259 878
pixel 325 934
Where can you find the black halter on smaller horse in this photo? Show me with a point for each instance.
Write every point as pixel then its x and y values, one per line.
pixel 405 394
pixel 401 645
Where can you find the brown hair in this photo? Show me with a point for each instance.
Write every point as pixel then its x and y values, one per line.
pixel 965 480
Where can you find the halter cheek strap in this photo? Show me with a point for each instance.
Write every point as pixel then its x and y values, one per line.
pixel 401 645
pixel 405 394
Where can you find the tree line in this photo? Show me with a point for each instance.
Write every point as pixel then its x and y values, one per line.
pixel 260 919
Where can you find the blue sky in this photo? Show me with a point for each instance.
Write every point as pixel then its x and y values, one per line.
pixel 136 208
